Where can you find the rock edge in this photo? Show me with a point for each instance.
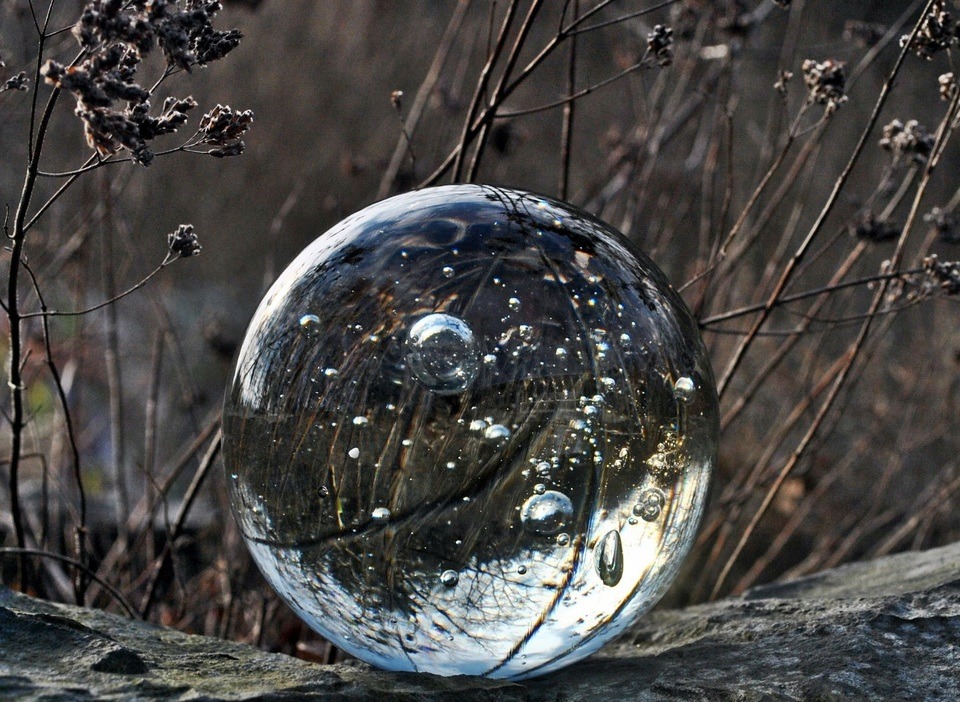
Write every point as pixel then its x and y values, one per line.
pixel 887 630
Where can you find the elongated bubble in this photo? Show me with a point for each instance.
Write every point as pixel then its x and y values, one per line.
pixel 470 431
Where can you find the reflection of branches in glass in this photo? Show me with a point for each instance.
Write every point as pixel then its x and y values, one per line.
pixel 357 480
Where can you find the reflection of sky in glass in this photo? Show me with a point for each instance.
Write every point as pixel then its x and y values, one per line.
pixel 574 345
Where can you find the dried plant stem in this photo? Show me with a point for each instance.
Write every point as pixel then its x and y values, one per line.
pixel 936 495
pixel 423 94
pixel 944 133
pixel 151 418
pixel 486 74
pixel 567 101
pixel 18 238
pixel 566 131
pixel 106 303
pixel 744 397
pixel 144 513
pixel 472 128
pixel 112 361
pixel 116 594
pixel 497 97
pixel 618 20
pixel 80 533
pixel 206 463
pixel 796 520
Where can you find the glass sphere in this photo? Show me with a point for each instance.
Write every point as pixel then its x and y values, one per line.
pixel 470 431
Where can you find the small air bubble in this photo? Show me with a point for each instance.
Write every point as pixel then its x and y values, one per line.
pixel 380 514
pixel 310 324
pixel 496 431
pixel 360 421
pixel 514 304
pixel 447 272
pixel 684 389
pixel 449 578
pixel 354 452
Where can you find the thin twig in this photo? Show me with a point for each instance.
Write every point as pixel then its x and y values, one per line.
pixel 15 380
pixel 466 136
pixel 566 130
pixel 121 600
pixel 423 94
pixel 112 361
pixel 170 258
pixel 80 535
pixel 189 497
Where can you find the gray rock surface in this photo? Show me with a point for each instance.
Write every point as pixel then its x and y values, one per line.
pixel 884 630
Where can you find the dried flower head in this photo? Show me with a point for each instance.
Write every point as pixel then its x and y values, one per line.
pixel 222 128
pixel 115 36
pixel 826 83
pixel 946 224
pixel 183 242
pixel 17 82
pixel 660 44
pixel 938 32
pixel 910 139
pixel 869 228
pixel 943 275
pixel 783 81
pixel 948 86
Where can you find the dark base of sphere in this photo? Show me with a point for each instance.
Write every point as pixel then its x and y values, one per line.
pixel 470 431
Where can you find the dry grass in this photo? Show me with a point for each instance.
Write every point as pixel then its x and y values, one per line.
pixel 801 217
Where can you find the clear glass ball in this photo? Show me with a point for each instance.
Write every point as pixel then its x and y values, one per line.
pixel 470 431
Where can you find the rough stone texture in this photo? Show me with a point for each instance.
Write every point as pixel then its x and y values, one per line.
pixel 886 630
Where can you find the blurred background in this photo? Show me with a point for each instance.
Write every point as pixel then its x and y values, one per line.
pixel 674 155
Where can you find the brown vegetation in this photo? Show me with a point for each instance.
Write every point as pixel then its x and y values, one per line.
pixel 789 164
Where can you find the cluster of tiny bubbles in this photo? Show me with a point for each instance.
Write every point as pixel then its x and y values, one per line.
pixel 650 504
pixel 470 431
